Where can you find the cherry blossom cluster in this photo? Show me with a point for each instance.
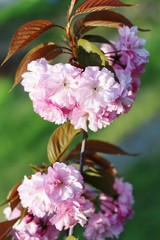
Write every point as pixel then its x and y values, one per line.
pixel 54 202
pixel 114 211
pixel 31 227
pixel 57 200
pixel 128 56
pixel 90 97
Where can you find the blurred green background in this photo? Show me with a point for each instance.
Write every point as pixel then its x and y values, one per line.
pixel 24 135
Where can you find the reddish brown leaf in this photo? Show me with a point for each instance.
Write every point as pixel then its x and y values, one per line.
pixel 102 162
pixel 70 10
pixel 98 5
pixel 79 29
pixel 45 50
pixel 13 193
pixel 5 228
pixel 104 147
pixel 60 140
pixel 100 180
pixel 93 159
pixel 26 33
pixel 15 202
pixel 106 18
pixel 13 196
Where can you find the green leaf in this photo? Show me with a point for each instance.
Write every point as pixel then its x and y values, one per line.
pixel 26 33
pixel 100 180
pixel 60 140
pixel 106 19
pixel 96 38
pixel 88 59
pixel 89 54
pixel 45 50
pixel 71 238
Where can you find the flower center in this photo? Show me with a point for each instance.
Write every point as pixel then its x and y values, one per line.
pixel 95 89
pixel 66 84
pixel 57 182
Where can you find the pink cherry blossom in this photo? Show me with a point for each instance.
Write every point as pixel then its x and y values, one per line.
pixel 58 93
pixel 78 118
pixel 50 112
pixel 113 212
pixel 98 119
pixel 107 204
pixel 19 235
pixel 98 227
pixel 131 47
pixel 125 199
pixel 32 79
pixel 128 57
pixel 64 77
pixel 124 189
pixel 63 182
pixel 102 118
pixel 71 212
pixel 33 196
pixel 51 88
pixel 100 90
pixel 12 214
pixel 35 228
pixel 97 87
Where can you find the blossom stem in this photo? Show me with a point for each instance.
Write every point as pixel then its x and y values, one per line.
pixel 71 231
pixel 82 153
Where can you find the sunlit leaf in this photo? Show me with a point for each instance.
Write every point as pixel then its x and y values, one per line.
pixel 45 50
pixel 26 33
pixel 97 56
pixel 100 180
pixel 60 140
pixel 71 238
pixel 98 5
pixel 5 228
pixel 106 19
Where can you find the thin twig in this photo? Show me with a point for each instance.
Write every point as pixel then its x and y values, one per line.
pixel 82 153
